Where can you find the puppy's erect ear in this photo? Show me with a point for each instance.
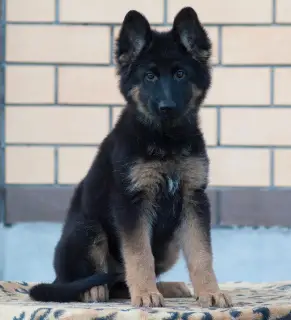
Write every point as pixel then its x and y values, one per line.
pixel 134 36
pixel 191 34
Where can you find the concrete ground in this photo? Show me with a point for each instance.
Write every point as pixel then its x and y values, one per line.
pixel 257 255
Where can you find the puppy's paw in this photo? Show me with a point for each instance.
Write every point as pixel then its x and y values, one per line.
pixel 148 299
pixel 174 289
pixel 96 294
pixel 218 299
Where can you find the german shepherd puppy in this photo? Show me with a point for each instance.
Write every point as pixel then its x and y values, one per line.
pixel 143 199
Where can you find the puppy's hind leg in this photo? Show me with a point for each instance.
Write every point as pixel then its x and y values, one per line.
pixel 98 253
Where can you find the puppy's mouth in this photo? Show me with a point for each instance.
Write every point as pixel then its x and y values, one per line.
pixel 169 114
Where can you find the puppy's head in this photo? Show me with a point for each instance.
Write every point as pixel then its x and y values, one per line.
pixel 164 75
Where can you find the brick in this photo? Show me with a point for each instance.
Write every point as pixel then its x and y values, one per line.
pixel 268 126
pixel 30 10
pixel 239 86
pixel 58 44
pixel 256 45
pixel 29 84
pixel 208 123
pixel 74 162
pixel 282 94
pixel 109 11
pixel 28 165
pixel 282 171
pixel 89 85
pixel 212 32
pixel 56 124
pixel 225 11
pixel 214 37
pixel 239 167
pixel 283 11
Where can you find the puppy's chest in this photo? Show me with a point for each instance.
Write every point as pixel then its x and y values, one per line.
pixel 168 177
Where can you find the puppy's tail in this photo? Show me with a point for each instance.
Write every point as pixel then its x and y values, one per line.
pixel 71 291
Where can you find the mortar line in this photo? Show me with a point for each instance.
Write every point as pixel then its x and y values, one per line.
pixel 56 98
pixel 272 87
pixel 57 11
pixel 3 118
pixel 169 24
pixel 274 12
pixel 110 117
pixel 165 18
pixel 101 105
pixel 218 125
pixel 112 47
pixel 220 45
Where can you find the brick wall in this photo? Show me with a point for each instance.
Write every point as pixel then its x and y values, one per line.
pixel 61 99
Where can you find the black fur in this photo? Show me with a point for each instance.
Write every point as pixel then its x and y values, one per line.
pixel 67 292
pixel 164 78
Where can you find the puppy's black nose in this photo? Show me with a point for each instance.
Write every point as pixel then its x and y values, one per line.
pixel 167 105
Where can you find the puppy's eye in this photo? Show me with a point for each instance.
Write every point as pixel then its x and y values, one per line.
pixel 150 76
pixel 180 74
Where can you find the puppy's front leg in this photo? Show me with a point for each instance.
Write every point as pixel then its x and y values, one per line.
pixel 196 244
pixel 140 266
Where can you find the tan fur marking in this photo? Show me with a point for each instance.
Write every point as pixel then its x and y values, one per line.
pixel 99 253
pixel 194 173
pixel 139 267
pixel 96 294
pixel 196 93
pixel 135 94
pixel 102 259
pixel 196 250
pixel 198 256
pixel 146 176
